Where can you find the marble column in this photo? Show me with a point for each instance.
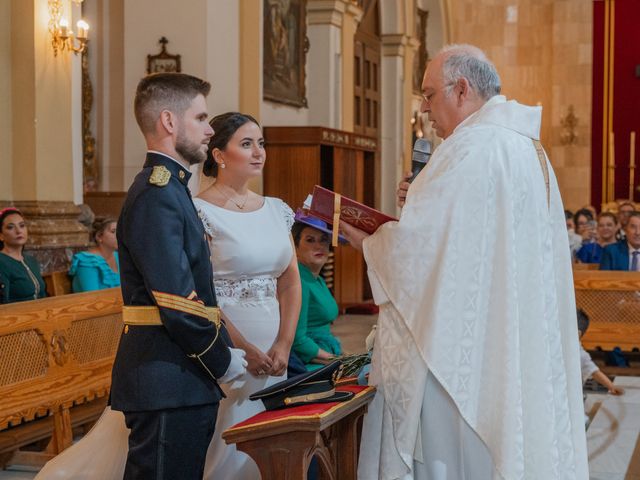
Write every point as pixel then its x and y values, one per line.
pixel 398 51
pixel 330 23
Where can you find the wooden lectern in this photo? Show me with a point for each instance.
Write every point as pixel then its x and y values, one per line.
pixel 299 158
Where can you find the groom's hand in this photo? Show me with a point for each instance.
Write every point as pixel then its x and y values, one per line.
pixel 237 366
pixel 259 362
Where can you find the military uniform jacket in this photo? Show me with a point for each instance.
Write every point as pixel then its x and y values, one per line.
pixel 165 262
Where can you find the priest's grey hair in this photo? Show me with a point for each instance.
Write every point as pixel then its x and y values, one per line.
pixel 471 63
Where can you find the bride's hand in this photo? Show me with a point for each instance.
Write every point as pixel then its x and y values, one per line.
pixel 258 362
pixel 279 355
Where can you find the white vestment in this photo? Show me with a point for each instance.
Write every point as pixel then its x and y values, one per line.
pixel 476 293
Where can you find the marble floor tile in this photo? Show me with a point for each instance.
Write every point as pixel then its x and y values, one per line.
pixel 18 473
pixel 616 413
pixel 610 450
pixel 352 330
pixel 607 476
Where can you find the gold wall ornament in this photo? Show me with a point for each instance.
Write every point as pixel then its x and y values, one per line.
pixel 62 38
pixel 163 62
pixel 569 124
pixel 90 170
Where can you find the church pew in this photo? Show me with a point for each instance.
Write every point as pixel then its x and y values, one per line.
pixel 282 442
pixel 55 369
pixel 611 299
pixel 57 283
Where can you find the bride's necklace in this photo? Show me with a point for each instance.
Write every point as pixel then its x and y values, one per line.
pixel 239 205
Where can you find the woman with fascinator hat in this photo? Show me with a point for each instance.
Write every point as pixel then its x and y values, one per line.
pixel 314 343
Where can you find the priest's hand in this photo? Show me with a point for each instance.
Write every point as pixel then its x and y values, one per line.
pixel 403 186
pixel 354 235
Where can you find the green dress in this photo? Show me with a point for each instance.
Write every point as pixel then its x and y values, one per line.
pixel 318 311
pixel 20 281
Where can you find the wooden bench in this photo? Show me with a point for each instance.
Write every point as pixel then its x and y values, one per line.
pixel 56 356
pixel 57 283
pixel 282 442
pixel 611 299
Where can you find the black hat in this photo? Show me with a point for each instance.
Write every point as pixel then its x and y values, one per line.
pixel 317 386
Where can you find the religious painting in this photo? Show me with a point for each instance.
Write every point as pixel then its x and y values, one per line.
pixel 421 58
pixel 285 51
pixel 163 62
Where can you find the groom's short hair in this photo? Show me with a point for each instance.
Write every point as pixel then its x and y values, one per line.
pixel 165 91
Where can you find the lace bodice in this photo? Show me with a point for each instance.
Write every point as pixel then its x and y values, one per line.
pixel 250 250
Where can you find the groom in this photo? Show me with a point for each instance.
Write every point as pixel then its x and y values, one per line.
pixel 174 349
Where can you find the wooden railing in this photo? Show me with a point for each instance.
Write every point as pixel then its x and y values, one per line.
pixel 56 356
pixel 611 299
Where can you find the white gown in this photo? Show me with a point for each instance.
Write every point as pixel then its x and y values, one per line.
pixel 250 251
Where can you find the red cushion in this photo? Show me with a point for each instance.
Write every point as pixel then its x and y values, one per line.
pixel 307 411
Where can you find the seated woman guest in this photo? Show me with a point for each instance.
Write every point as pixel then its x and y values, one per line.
pixel 584 225
pixel 99 267
pixel 314 344
pixel 606 235
pixel 20 277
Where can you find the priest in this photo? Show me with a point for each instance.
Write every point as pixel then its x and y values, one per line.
pixel 476 356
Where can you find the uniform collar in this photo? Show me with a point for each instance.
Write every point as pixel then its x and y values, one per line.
pixel 156 159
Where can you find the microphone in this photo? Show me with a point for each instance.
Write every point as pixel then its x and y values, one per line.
pixel 420 157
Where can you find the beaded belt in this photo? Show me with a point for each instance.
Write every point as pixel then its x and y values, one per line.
pixel 246 289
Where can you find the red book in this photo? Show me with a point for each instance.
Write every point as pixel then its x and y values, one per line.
pixel 354 213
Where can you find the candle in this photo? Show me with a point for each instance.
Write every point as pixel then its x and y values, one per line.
pixel 632 165
pixel 83 28
pixel 64 28
pixel 632 150
pixel 612 166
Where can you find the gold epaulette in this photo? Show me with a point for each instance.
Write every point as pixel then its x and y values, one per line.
pixel 160 176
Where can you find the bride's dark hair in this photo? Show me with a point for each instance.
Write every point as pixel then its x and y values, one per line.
pixel 224 126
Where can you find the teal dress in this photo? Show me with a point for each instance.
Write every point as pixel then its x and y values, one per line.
pixel 92 272
pixel 318 311
pixel 20 281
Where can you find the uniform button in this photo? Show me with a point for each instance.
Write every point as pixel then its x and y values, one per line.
pixel 181 175
pixel 126 329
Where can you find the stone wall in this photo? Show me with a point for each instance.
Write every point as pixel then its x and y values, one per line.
pixel 542 49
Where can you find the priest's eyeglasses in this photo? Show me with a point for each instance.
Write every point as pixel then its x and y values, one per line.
pixel 428 97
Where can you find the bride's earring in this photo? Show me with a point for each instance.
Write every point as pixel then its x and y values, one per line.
pixel 222 165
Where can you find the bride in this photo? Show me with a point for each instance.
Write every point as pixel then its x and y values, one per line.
pixel 257 285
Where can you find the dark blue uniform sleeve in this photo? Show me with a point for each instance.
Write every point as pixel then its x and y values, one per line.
pixel 154 229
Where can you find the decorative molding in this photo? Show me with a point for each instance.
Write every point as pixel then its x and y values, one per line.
pixel 569 123
pixel 393 45
pixel 90 167
pixel 163 61
pixel 325 12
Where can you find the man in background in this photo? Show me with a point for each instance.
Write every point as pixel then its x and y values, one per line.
pixel 624 254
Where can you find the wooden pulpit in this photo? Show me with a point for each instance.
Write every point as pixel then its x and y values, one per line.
pixel 299 158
